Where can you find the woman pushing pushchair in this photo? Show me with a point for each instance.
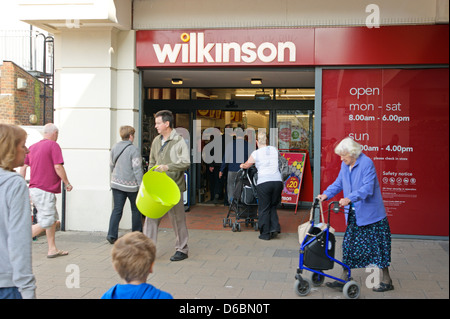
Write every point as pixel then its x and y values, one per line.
pixel 269 186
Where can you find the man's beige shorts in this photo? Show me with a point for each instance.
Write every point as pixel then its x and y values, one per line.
pixel 45 204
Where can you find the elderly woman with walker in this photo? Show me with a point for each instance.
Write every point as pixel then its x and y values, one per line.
pixel 367 239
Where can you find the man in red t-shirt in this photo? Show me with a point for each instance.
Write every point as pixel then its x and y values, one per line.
pixel 46 162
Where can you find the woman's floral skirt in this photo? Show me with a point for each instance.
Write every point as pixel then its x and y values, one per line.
pixel 368 245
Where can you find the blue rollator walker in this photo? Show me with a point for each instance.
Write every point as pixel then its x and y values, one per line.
pixel 317 254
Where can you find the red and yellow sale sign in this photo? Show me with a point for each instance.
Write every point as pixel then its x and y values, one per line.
pixel 293 184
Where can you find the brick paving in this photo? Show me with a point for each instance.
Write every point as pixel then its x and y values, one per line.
pixel 228 265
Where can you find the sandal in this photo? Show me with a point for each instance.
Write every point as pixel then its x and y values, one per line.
pixel 58 254
pixel 382 287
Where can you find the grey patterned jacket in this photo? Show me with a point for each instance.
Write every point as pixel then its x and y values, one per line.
pixel 126 167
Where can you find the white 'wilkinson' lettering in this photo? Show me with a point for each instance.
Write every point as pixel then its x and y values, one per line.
pixel 195 50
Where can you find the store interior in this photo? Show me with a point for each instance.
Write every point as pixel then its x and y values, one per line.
pixel 281 99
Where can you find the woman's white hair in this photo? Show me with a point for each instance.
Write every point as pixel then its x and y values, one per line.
pixel 348 147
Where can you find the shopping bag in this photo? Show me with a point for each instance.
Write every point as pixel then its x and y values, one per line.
pixel 303 231
pixel 318 251
pixel 306 228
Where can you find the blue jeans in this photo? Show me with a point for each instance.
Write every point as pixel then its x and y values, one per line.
pixel 120 198
pixel 10 293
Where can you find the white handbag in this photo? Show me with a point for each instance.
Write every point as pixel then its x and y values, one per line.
pixel 305 228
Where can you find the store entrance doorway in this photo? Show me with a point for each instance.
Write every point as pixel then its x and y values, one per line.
pixel 225 126
pixel 289 124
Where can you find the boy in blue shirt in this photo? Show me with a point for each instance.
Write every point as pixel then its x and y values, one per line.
pixel 133 256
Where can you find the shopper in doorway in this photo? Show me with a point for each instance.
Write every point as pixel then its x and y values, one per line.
pixel 367 239
pixel 16 275
pixel 212 172
pixel 236 153
pixel 126 177
pixel 268 187
pixel 223 180
pixel 47 170
pixel 216 183
pixel 170 153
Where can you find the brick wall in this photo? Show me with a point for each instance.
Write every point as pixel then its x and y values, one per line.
pixel 16 105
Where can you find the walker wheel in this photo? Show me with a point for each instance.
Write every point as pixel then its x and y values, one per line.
pixel 316 279
pixel 302 287
pixel 352 290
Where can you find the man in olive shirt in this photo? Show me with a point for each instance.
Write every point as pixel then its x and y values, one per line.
pixel 170 152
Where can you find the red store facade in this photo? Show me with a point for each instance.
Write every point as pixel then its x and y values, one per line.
pixel 388 88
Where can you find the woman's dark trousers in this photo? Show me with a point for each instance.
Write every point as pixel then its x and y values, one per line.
pixel 120 198
pixel 269 196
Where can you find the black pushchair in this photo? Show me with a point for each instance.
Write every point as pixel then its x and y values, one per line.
pixel 317 254
pixel 244 202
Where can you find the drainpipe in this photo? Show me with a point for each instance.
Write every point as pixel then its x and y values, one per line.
pixel 63 209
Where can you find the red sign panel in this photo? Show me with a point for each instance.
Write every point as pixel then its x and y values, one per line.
pixel 401 117
pixel 293 46
pixel 418 44
pixel 212 48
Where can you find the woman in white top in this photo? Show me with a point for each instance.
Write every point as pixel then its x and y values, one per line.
pixel 269 186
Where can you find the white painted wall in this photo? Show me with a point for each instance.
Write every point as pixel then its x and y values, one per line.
pixel 96 92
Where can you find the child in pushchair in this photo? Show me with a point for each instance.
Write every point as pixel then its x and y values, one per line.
pixel 244 202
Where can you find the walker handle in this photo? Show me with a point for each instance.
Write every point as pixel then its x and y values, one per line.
pixel 335 207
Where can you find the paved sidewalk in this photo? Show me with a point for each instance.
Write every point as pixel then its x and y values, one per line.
pixel 228 265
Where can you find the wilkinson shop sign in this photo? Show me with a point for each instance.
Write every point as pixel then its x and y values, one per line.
pixel 262 47
pixel 387 45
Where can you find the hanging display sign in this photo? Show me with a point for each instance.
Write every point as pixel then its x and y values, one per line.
pixel 396 115
pixel 214 114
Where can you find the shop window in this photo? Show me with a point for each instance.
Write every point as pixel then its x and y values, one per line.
pixel 167 94
pixel 295 94
pixel 232 94
pixel 295 130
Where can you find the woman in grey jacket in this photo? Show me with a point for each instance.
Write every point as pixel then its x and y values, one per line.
pixel 16 277
pixel 126 177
